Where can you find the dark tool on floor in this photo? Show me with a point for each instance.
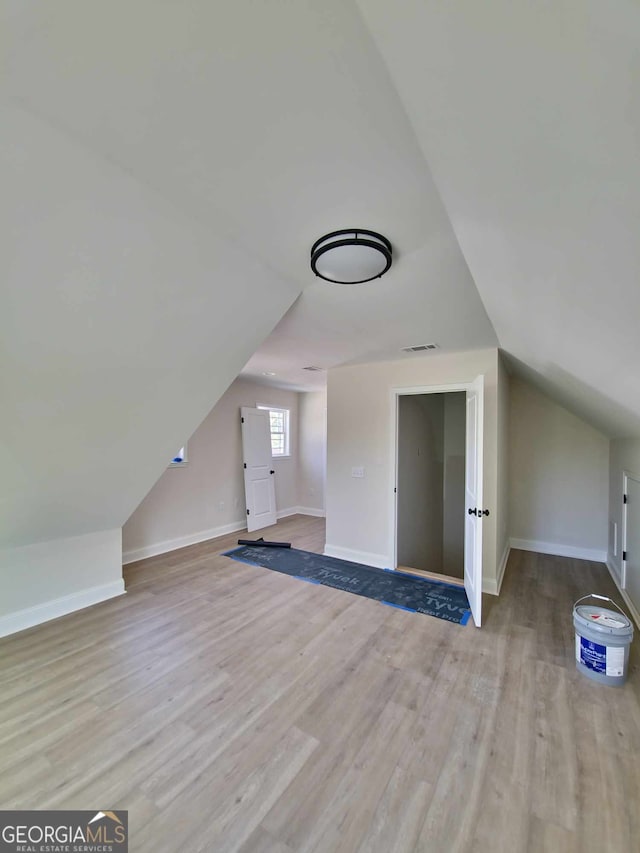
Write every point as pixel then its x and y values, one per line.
pixel 261 543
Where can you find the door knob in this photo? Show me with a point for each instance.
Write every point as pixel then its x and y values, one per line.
pixel 473 511
pixel 272 472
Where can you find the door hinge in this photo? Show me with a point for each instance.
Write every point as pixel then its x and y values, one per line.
pixel 245 464
pixel 248 513
pixel 624 499
pixel 241 420
pixel 395 491
pixel 624 556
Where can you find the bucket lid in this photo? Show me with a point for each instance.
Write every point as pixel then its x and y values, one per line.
pixel 601 619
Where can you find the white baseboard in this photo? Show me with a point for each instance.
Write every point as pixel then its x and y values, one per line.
pixel 202 536
pixel 633 610
pixel 559 550
pixel 310 510
pixel 30 616
pixel 614 571
pixel 181 542
pixel 503 565
pixel 285 513
pixel 300 510
pixel 379 561
pixel 492 586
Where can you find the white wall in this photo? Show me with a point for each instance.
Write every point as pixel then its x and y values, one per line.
pixel 123 320
pixel 48 579
pixel 420 477
pixel 559 478
pixel 360 428
pixel 455 414
pixel 312 449
pixel 624 456
pixel 503 453
pixel 205 497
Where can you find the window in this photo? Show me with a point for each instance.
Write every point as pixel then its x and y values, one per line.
pixel 279 423
pixel 180 458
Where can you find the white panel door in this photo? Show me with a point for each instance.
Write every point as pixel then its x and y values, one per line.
pixel 473 499
pixel 259 483
pixel 631 547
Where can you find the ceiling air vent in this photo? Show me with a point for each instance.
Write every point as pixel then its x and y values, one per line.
pixel 312 367
pixel 420 348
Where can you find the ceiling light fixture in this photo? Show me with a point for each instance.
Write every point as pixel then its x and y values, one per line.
pixel 351 256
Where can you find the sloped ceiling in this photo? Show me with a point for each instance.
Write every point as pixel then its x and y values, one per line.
pixel 168 166
pixel 529 117
pixel 122 322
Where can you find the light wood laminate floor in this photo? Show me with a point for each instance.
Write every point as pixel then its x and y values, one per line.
pixel 231 708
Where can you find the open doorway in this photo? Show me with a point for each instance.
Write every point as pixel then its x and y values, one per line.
pixel 437 497
pixel 431 479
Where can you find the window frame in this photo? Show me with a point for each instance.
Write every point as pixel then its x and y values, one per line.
pixel 184 461
pixel 286 432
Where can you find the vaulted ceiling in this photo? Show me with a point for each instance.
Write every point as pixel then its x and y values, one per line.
pixel 528 119
pixel 170 164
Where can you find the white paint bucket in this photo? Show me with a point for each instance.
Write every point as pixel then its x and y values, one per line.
pixel 603 638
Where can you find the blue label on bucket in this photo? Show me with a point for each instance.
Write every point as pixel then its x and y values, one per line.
pixel 593 655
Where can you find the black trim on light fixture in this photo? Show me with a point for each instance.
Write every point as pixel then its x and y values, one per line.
pixel 354 238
